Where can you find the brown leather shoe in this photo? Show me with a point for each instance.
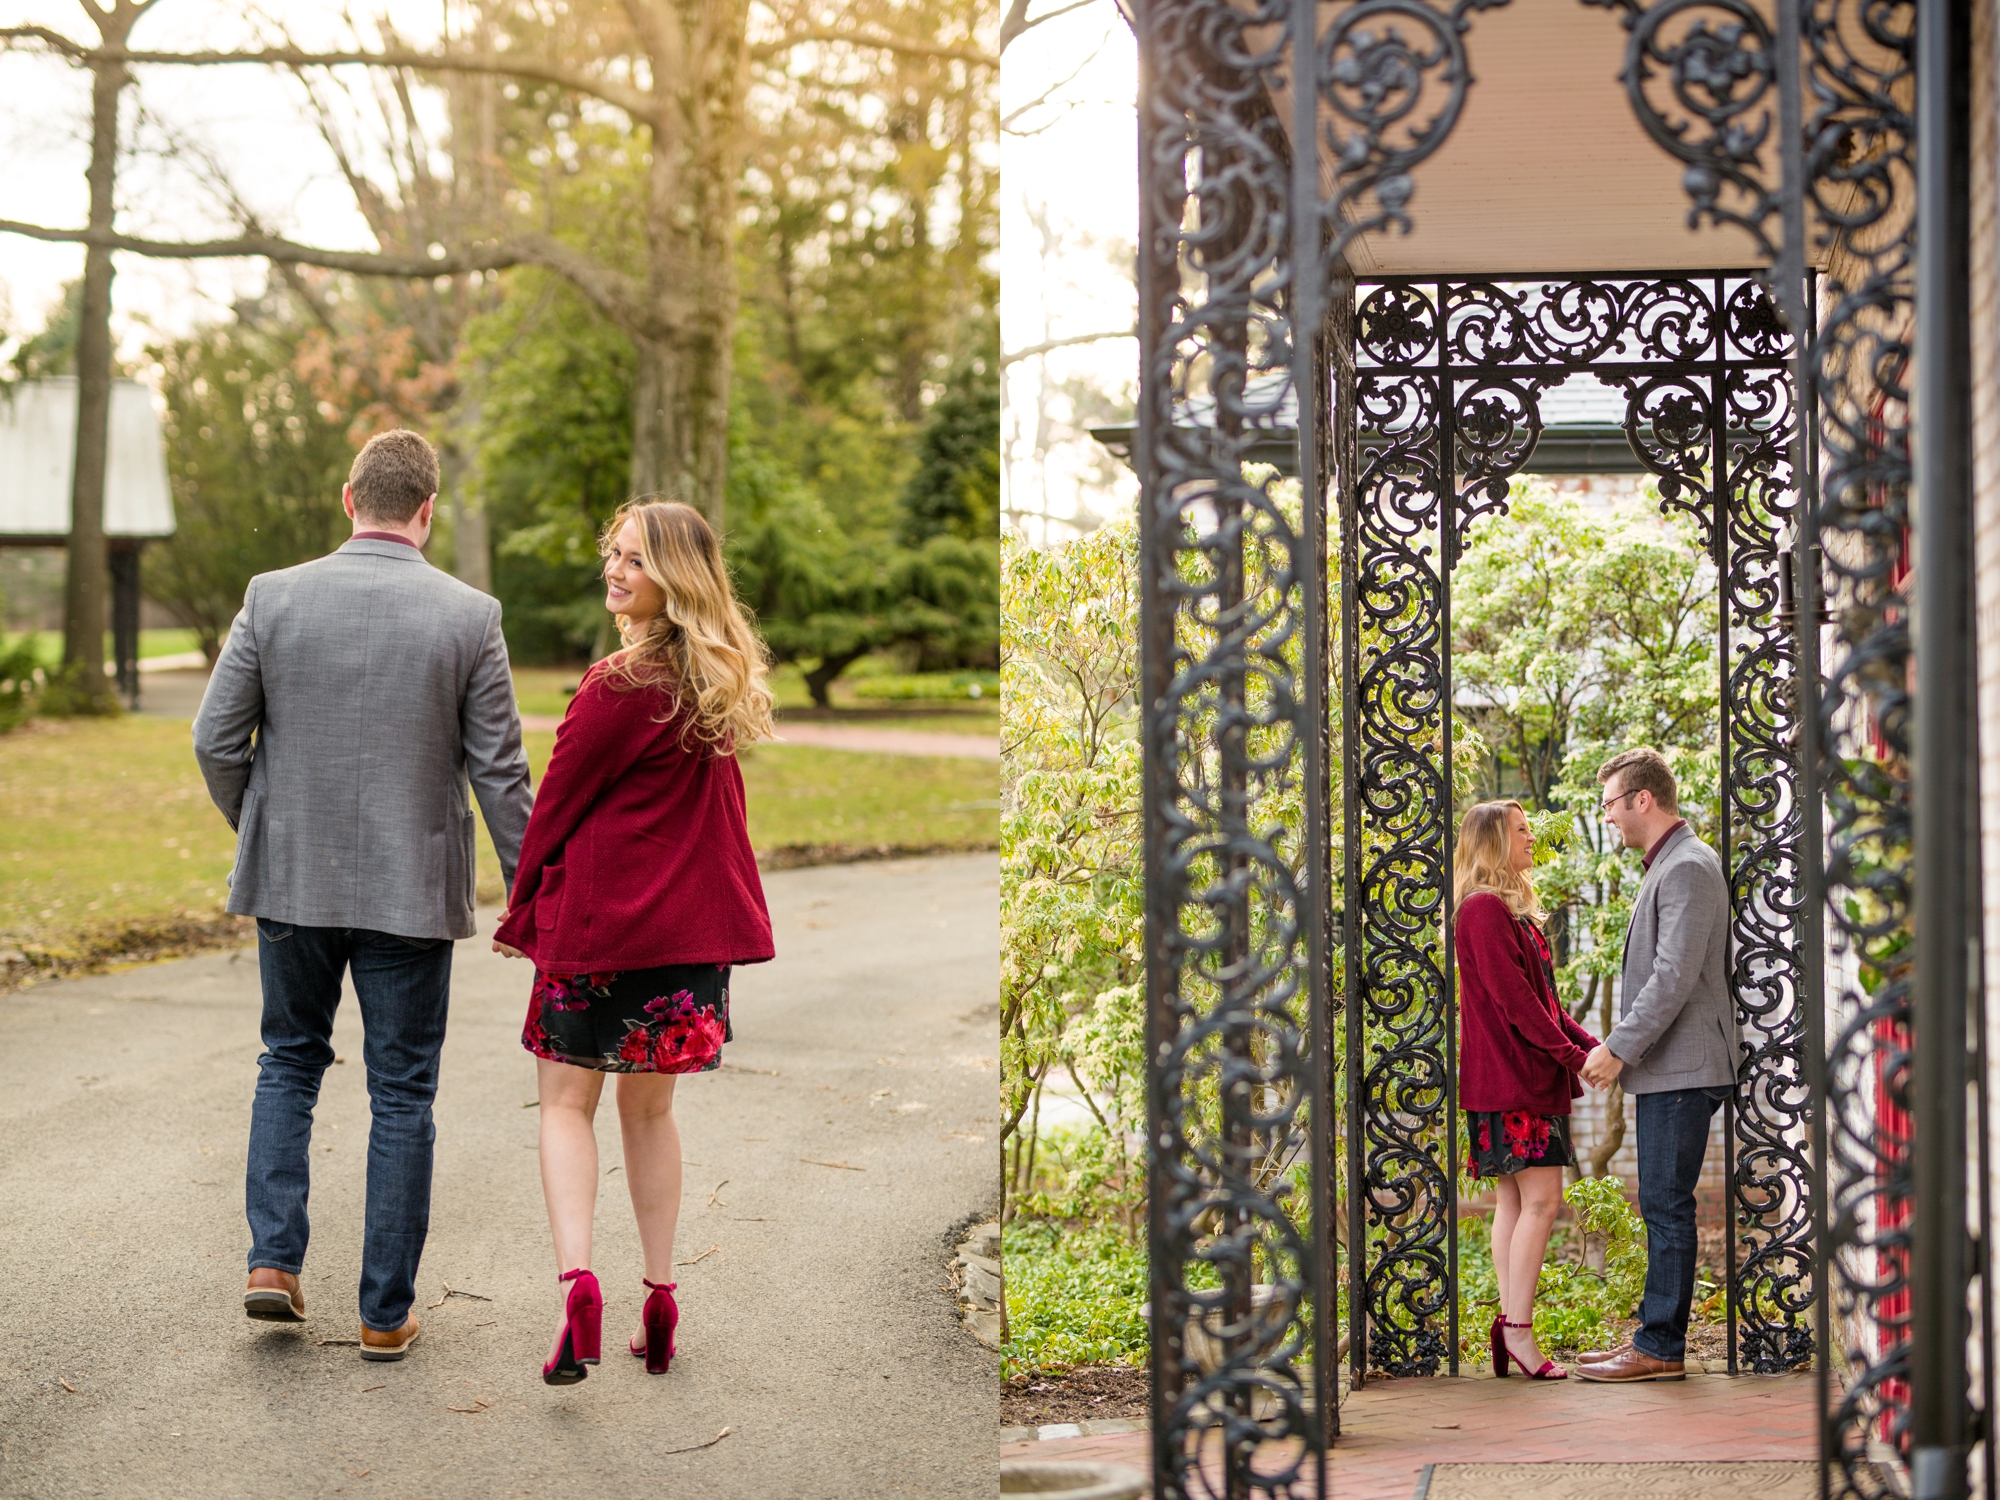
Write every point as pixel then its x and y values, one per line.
pixel 1633 1364
pixel 378 1345
pixel 275 1295
pixel 1599 1356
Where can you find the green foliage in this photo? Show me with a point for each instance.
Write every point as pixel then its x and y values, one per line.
pixel 75 691
pixel 21 679
pixel 1579 635
pixel 1576 1307
pixel 956 487
pixel 1071 903
pixel 554 445
pixel 53 350
pixel 907 687
pixel 256 462
pixel 1074 1297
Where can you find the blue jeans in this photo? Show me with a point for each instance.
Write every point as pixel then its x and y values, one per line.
pixel 404 987
pixel 1673 1139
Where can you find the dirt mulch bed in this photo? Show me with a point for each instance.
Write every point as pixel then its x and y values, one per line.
pixel 140 943
pixel 1084 1393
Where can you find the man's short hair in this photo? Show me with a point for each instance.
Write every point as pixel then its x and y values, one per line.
pixel 393 475
pixel 1642 770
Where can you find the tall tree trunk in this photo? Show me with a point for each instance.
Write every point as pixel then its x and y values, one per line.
pixel 471 544
pixel 686 342
pixel 86 588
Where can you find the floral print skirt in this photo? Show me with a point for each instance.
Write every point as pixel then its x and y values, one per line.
pixel 1499 1143
pixel 672 1019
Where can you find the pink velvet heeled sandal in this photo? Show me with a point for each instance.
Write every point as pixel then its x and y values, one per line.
pixel 661 1316
pixel 1549 1369
pixel 580 1344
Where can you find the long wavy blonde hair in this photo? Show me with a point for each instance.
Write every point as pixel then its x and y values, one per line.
pixel 701 645
pixel 1482 861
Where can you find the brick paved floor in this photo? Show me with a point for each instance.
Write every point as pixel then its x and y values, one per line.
pixel 1392 1428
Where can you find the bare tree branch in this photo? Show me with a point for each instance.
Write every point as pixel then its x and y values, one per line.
pixel 633 101
pixel 880 41
pixel 1016 20
pixel 611 292
pixel 1007 120
pixel 1047 345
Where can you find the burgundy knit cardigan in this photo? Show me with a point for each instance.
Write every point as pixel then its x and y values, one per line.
pixel 637 853
pixel 1518 1048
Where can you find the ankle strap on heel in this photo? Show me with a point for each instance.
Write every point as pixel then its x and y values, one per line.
pixel 1505 1324
pixel 659 1286
pixel 572 1275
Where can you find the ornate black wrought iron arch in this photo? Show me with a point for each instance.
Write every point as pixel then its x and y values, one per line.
pixel 1448 380
pixel 1414 405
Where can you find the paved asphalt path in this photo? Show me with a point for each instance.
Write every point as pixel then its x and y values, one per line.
pixel 820 1331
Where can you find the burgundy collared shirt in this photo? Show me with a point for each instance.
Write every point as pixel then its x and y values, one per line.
pixel 383 536
pixel 1661 842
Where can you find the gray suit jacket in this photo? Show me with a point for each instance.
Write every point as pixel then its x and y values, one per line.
pixel 354 697
pixel 1677 1024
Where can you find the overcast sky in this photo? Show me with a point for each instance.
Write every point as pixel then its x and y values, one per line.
pixel 1069 213
pixel 251 121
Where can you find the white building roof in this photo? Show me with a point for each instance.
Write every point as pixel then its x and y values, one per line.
pixel 38 457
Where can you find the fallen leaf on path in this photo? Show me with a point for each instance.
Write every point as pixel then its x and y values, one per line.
pixel 701 1257
pixel 609 1170
pixel 367 1388
pixel 66 1385
pixel 1447 1426
pixel 364 1473
pixel 716 1189
pixel 350 1343
pixel 699 1446
pixel 470 1411
pixel 814 1162
pixel 532 1104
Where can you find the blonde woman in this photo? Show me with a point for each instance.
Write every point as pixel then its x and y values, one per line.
pixel 636 891
pixel 1518 1059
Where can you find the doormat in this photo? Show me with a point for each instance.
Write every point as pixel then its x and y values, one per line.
pixel 1757 1480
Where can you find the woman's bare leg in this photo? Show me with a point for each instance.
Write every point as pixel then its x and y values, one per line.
pixel 1506 1212
pixel 567 1138
pixel 1540 1189
pixel 568 1141
pixel 652 1166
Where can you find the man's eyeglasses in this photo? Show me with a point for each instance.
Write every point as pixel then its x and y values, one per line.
pixel 1613 802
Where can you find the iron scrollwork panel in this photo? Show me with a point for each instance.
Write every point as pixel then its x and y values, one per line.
pixel 1225 568
pixel 1772 1282
pixel 1859 172
pixel 1706 98
pixel 1237 251
pixel 1400 1016
pixel 1451 376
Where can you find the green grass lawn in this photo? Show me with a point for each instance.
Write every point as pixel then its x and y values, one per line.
pixel 109 825
pixel 540 690
pixel 48 644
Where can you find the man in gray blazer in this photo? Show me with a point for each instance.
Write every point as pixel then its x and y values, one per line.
pixel 354 699
pixel 1674 1047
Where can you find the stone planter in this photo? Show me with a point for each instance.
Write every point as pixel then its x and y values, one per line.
pixel 1080 1480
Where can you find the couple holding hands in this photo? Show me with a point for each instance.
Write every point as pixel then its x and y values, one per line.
pixel 356 698
pixel 1521 1056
